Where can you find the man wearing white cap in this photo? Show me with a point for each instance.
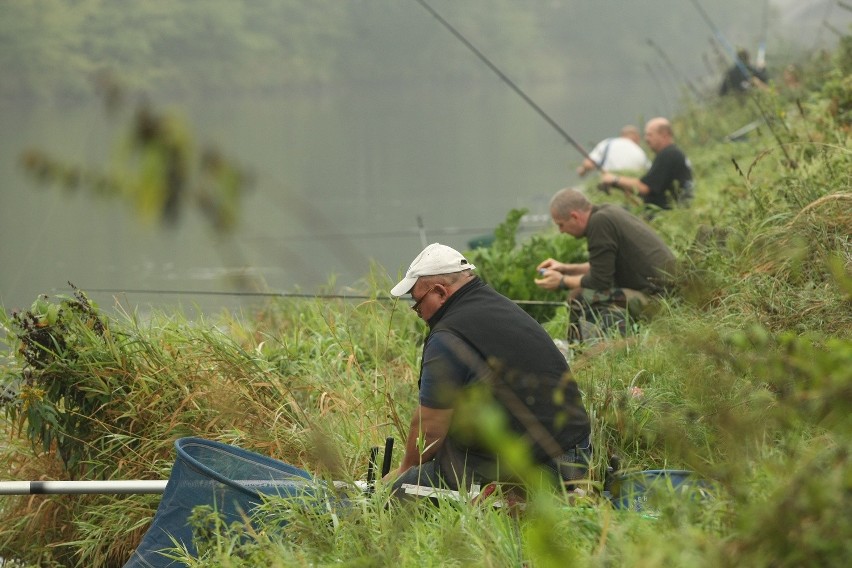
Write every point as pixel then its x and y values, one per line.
pixel 483 353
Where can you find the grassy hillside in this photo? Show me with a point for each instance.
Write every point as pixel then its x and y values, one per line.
pixel 746 379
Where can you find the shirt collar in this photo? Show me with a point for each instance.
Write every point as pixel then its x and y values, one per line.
pixel 475 283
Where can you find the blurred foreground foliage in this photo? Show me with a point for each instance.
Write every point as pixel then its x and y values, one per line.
pixel 744 378
pixel 159 170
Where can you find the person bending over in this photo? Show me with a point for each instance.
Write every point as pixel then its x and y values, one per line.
pixel 628 265
pixel 484 356
pixel 670 178
pixel 620 154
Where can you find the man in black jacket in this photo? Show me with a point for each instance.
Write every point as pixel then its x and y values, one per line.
pixel 741 76
pixel 491 377
pixel 670 178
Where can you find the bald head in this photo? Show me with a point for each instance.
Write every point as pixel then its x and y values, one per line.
pixel 658 133
pixel 659 124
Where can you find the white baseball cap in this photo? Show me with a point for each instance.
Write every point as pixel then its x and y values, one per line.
pixel 434 259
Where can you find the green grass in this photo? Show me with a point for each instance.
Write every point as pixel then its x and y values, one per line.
pixel 745 379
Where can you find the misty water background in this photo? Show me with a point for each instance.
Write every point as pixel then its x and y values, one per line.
pixel 340 179
pixel 343 177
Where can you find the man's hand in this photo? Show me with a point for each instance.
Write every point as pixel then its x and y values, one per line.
pixel 561 267
pixel 430 424
pixel 585 167
pixel 391 476
pixel 609 179
pixel 555 275
pixel 550 279
pixel 551 264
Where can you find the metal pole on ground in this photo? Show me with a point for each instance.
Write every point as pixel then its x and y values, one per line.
pixel 110 487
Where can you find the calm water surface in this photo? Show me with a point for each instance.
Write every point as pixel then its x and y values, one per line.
pixel 341 181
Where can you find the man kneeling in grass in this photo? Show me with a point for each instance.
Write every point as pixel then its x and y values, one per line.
pixel 497 401
pixel 628 265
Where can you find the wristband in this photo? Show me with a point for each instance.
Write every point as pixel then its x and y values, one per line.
pixel 562 285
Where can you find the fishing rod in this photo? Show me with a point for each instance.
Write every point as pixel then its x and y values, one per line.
pixel 790 163
pixel 105 487
pixel 508 81
pixel 728 47
pixel 158 292
pixel 297 295
pixel 721 60
pixel 708 64
pixel 672 68
pixel 127 486
pixel 833 29
pixel 158 486
pixel 663 92
pixel 373 462
pixel 760 61
pixel 824 24
pixel 421 231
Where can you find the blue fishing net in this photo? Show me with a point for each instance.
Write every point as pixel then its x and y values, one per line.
pixel 226 478
pixel 643 491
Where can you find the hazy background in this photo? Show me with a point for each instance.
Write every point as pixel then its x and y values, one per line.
pixel 364 123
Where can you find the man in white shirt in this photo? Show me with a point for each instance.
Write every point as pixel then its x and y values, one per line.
pixel 621 154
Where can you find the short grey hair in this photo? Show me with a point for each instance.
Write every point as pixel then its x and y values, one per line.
pixel 567 200
pixel 446 279
pixel 630 131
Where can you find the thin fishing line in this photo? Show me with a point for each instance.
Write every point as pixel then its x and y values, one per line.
pixel 506 80
pixel 38 237
pixel 791 164
pixel 663 93
pixel 730 49
pixel 414 233
pixel 295 295
pixel 679 76
pixel 158 292
pixel 764 27
pixel 818 38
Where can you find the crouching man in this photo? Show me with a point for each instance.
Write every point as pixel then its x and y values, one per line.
pixel 491 382
pixel 629 265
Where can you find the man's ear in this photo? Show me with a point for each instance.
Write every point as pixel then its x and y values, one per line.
pixel 443 291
